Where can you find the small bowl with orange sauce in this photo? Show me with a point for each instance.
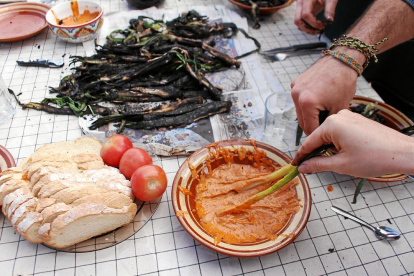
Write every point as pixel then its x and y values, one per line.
pixel 206 183
pixel 75 21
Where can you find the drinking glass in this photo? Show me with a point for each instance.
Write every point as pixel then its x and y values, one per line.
pixel 281 125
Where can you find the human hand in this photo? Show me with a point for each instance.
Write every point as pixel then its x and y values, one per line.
pixel 365 148
pixel 306 11
pixel 328 85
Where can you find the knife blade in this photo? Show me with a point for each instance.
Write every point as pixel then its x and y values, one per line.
pixel 295 48
pixel 283 56
pixel 42 63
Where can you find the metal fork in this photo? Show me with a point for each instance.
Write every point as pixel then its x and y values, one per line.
pixel 283 56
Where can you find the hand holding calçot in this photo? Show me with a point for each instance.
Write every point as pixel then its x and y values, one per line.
pixel 365 148
pixel 327 85
pixel 306 11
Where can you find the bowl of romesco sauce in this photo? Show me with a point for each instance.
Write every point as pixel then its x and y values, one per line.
pixel 204 185
pixel 75 21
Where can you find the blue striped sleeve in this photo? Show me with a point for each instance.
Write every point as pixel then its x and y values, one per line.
pixel 410 3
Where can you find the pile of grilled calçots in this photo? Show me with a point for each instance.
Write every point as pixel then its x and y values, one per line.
pixel 153 72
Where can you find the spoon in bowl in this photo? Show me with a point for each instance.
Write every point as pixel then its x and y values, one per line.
pixel 382 232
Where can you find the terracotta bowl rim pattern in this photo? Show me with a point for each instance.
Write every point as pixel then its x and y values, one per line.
pixel 7 157
pixel 296 223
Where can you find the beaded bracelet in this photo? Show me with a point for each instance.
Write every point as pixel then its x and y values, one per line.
pixel 354 43
pixel 345 59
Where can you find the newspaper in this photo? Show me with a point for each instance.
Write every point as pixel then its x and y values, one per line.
pixel 247 87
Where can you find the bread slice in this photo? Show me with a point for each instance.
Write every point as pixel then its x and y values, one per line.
pixel 52 188
pixel 37 166
pixel 29 227
pixel 88 161
pixel 8 199
pixel 86 221
pixel 52 212
pixel 104 186
pixel 23 210
pixel 48 173
pixel 73 193
pixel 84 145
pixel 43 203
pixel 110 199
pixel 43 232
pixel 5 178
pixel 12 170
pixel 107 173
pixel 9 187
pixel 17 202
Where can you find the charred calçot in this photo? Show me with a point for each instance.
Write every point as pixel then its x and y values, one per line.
pixel 153 72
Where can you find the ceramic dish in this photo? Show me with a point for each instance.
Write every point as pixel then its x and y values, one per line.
pixel 75 33
pixel 20 21
pixel 191 222
pixel 263 10
pixel 6 159
pixel 394 119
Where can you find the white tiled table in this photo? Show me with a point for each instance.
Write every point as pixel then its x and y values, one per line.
pixel 162 247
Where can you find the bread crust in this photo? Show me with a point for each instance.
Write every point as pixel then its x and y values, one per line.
pixel 64 194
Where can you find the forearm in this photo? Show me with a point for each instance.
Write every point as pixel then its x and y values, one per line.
pixel 402 159
pixel 393 19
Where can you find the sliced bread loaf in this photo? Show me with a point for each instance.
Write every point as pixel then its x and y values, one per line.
pixel 73 193
pixel 86 221
pixel 110 199
pixel 88 161
pixel 8 199
pixel 9 187
pixel 23 210
pixel 17 202
pixel 29 227
pixel 43 203
pixel 84 145
pixel 52 212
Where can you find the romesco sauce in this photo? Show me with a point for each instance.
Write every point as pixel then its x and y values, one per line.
pixel 216 190
pixel 76 18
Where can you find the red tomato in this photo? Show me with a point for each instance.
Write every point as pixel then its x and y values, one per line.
pixel 114 148
pixel 132 160
pixel 149 182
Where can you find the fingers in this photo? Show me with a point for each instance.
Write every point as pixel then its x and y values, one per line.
pixel 300 23
pixel 330 6
pixel 298 15
pixel 295 96
pixel 321 164
pixel 312 142
pixel 310 113
pixel 309 16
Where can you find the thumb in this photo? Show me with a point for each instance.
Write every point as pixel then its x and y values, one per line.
pixel 319 164
pixel 330 6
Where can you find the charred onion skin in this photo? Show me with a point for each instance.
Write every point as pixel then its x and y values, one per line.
pixel 151 61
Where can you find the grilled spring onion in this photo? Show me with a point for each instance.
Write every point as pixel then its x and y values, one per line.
pixel 289 172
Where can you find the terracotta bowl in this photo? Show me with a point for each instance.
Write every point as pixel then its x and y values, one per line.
pixel 263 11
pixel 191 221
pixel 394 119
pixel 75 33
pixel 21 21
